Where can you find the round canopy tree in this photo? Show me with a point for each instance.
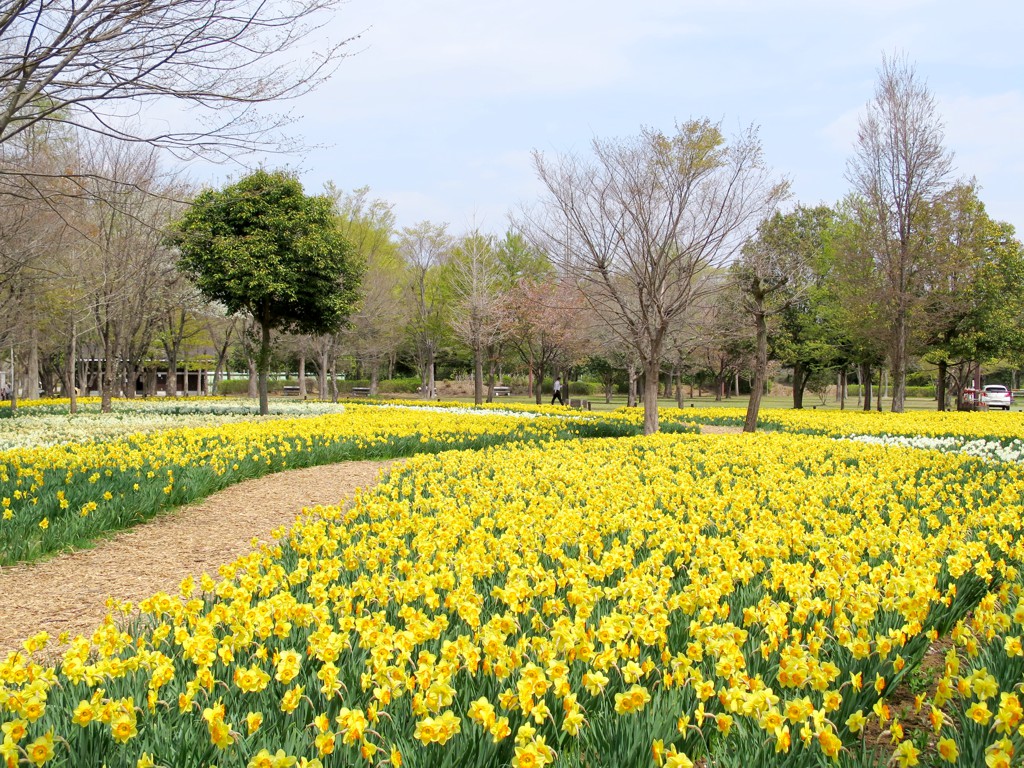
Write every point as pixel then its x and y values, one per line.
pixel 264 247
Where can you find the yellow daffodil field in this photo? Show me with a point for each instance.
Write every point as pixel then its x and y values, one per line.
pixel 566 593
pixel 63 493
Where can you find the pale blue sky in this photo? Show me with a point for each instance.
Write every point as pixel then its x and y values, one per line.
pixel 441 105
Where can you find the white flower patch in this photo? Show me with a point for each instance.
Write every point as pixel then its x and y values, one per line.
pixel 978 447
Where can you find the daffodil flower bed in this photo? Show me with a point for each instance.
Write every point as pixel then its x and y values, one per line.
pixel 45 405
pixel 61 496
pixel 1002 427
pixel 44 426
pixel 645 601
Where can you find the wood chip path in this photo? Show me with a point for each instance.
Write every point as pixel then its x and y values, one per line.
pixel 68 593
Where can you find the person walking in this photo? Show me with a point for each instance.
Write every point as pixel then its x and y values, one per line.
pixel 557 392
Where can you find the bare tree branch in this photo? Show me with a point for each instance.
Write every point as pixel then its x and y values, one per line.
pixel 99 65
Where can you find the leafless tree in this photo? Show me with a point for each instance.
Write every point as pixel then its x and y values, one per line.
pixel 247 334
pixel 648 223
pixel 132 269
pixel 544 327
pixel 219 329
pixel 36 248
pixel 899 164
pixel 377 328
pixel 100 65
pixel 725 338
pixel 178 326
pixel 479 317
pixel 325 353
pixel 424 247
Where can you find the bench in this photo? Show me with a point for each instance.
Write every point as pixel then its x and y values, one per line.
pixel 502 391
pixel 291 390
pixel 579 403
pixel 360 391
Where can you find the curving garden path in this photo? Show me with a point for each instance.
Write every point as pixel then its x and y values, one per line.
pixel 68 593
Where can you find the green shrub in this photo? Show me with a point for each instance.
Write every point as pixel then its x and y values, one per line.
pixel 583 388
pixel 384 386
pixel 233 387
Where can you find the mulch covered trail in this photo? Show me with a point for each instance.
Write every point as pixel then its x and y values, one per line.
pixel 68 593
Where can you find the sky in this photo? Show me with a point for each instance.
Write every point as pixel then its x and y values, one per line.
pixel 440 105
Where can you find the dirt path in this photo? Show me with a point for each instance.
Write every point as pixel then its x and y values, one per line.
pixel 713 429
pixel 68 593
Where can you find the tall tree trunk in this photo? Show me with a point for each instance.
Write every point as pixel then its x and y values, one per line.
pixel 263 368
pixel 321 376
pixel 14 386
pixel 760 372
pixel 631 398
pixel 222 360
pixel 798 386
pixel 478 375
pixel 171 385
pixel 898 374
pixel 491 367
pixel 72 366
pixel 374 377
pixel 254 385
pixel 302 376
pixel 32 377
pixel 865 377
pixel 652 384
pixel 132 375
pixel 83 382
pixel 940 385
pixel 106 375
pixel 842 389
pixel 882 386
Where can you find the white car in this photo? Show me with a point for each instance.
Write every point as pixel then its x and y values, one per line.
pixel 997 396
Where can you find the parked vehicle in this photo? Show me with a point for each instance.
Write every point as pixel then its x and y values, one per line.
pixel 997 396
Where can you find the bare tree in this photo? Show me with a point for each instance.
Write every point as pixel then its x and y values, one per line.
pixel 219 329
pixel 648 223
pixel 98 65
pixel 247 336
pixel 899 165
pixel 425 247
pixel 377 328
pixel 544 327
pixel 122 224
pixel 725 343
pixel 478 311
